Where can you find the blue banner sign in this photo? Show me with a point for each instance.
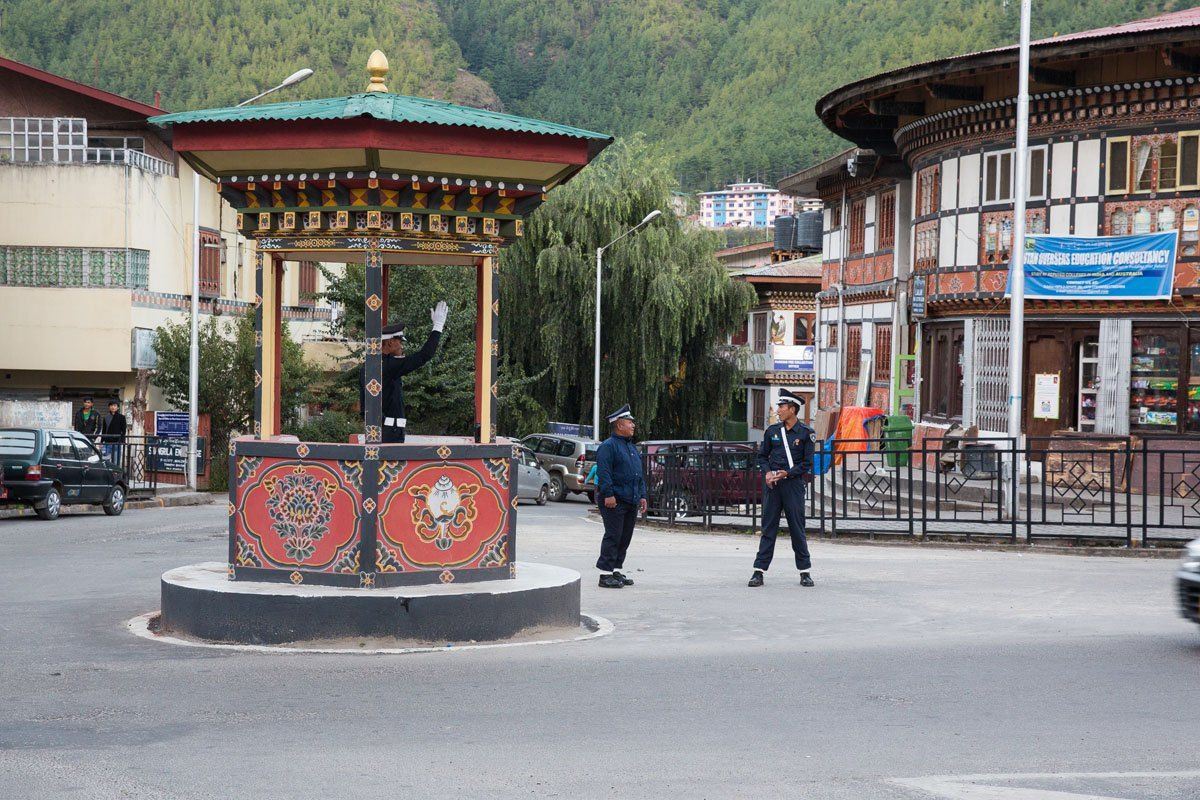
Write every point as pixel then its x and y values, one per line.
pixel 569 429
pixel 1138 267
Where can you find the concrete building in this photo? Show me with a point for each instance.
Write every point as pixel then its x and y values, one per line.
pixel 750 205
pixel 96 243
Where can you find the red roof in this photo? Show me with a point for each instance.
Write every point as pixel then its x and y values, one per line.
pixel 102 96
pixel 1188 18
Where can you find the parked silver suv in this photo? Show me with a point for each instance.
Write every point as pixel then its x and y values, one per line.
pixel 567 460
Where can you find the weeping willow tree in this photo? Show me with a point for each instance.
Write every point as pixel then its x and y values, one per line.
pixel 667 303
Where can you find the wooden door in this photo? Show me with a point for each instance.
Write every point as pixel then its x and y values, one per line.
pixel 1046 353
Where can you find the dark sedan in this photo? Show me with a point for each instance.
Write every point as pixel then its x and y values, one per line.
pixel 46 469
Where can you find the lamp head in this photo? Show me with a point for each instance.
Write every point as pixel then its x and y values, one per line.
pixel 656 212
pixel 297 76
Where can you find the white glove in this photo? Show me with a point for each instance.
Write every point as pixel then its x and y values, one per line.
pixel 438 315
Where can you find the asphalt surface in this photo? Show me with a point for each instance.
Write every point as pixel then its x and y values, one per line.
pixel 906 673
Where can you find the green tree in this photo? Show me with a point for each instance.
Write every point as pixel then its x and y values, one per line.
pixel 226 385
pixel 667 302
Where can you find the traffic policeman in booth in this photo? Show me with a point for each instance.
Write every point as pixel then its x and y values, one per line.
pixel 786 459
pixel 621 495
pixel 396 365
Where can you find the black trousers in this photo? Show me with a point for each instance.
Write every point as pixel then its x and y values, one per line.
pixel 393 434
pixel 618 533
pixel 786 497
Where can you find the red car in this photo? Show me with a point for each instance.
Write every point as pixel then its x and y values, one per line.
pixel 694 477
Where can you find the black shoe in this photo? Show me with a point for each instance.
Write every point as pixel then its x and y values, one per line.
pixel 756 579
pixel 806 579
pixel 623 578
pixel 611 582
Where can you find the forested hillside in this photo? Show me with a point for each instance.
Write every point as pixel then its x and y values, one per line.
pixel 727 86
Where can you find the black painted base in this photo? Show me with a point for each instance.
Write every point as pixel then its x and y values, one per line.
pixel 201 602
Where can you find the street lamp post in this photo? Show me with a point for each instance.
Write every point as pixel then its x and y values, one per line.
pixel 596 370
pixel 194 350
pixel 1016 264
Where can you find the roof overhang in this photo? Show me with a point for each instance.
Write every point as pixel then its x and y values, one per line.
pixel 869 111
pixel 133 106
pixel 219 149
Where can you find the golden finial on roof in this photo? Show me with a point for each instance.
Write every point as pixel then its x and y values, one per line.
pixel 377 68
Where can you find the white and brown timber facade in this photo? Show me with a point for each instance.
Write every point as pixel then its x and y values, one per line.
pixel 1114 149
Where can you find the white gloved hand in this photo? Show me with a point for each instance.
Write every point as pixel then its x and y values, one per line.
pixel 438 315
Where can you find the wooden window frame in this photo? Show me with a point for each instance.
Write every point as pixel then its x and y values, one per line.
pixel 1108 161
pixel 758 408
pixel 835 216
pixel 929 191
pixel 885 220
pixel 853 356
pixel 882 352
pixel 999 155
pixel 760 320
pixel 1179 184
pixel 306 276
pixel 807 320
pixel 857 236
pixel 211 248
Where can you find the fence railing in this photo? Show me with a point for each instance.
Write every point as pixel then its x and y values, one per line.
pixel 1116 491
pixel 135 456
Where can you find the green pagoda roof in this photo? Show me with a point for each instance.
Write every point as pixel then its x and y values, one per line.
pixel 381 106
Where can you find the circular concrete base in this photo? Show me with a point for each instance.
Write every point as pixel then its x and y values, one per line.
pixel 200 601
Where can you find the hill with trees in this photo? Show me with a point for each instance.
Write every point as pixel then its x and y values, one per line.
pixel 728 86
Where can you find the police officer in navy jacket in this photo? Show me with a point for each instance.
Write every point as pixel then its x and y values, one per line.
pixel 786 459
pixel 395 366
pixel 621 495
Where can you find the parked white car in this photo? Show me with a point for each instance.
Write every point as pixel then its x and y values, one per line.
pixel 1188 579
pixel 533 482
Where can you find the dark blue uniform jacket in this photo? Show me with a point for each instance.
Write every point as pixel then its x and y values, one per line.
pixel 619 471
pixel 771 455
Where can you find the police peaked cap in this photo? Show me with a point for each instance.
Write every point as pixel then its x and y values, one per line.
pixel 789 397
pixel 394 331
pixel 621 413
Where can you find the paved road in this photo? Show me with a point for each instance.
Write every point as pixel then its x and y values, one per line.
pixel 905 674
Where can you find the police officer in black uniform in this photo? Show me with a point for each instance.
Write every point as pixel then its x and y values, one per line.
pixel 786 459
pixel 396 365
pixel 621 495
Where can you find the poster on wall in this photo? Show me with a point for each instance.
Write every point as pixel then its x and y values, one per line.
pixel 1140 267
pixel 1045 395
pixel 793 357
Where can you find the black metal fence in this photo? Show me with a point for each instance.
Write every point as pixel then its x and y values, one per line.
pixel 1115 491
pixel 136 456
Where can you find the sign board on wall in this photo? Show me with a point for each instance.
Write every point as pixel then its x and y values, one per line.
pixel 793 357
pixel 918 296
pixel 1140 267
pixel 1046 394
pixel 170 455
pixel 172 424
pixel 35 414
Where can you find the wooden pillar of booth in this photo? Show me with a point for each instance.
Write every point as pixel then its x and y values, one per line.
pixel 487 349
pixel 258 343
pixel 374 311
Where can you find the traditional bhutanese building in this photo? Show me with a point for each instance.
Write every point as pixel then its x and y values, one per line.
pixel 778 333
pixel 96 244
pixel 922 206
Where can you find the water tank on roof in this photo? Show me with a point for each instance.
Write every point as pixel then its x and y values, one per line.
pixel 785 233
pixel 808 231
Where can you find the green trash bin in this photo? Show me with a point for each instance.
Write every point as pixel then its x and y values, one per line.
pixel 897 440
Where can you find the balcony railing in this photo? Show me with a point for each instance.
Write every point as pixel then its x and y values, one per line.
pixel 64 140
pixel 63 267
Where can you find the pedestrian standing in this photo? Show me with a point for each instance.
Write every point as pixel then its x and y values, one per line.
pixel 87 420
pixel 620 494
pixel 786 459
pixel 112 432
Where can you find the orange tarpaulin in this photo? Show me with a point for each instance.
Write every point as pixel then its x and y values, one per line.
pixel 852 426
